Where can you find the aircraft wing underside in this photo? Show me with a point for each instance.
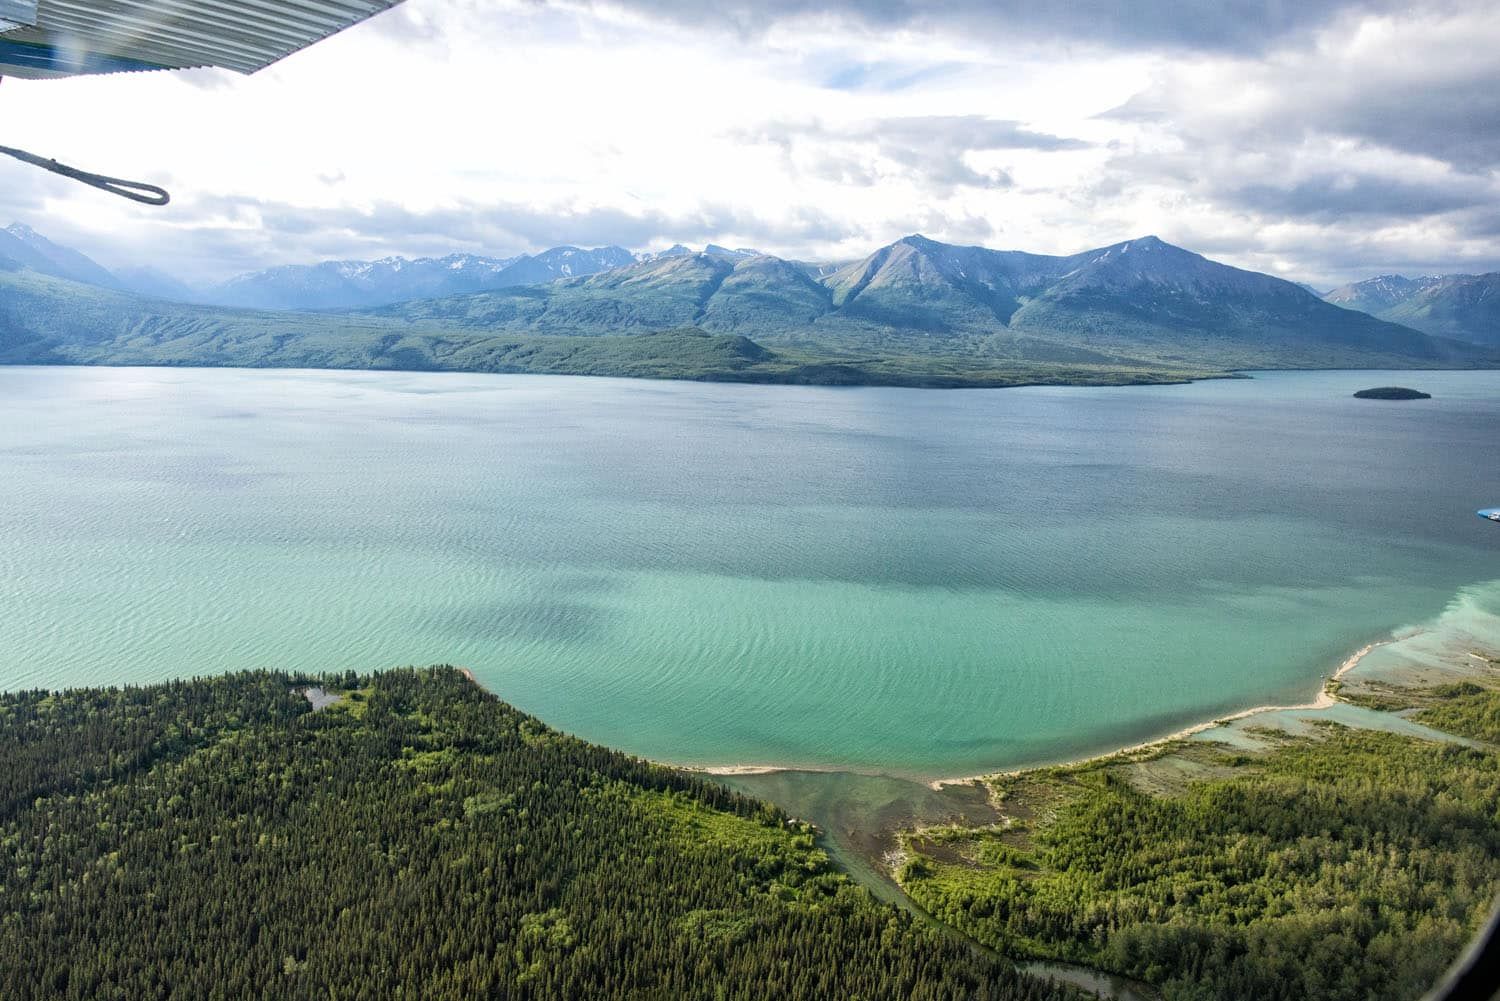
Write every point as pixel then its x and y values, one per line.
pixel 52 38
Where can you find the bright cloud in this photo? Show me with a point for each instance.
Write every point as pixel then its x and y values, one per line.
pixel 1329 143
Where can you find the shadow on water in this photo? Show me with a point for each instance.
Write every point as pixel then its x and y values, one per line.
pixel 860 816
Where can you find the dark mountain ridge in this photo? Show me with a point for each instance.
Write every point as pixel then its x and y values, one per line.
pixel 917 312
pixel 352 284
pixel 1461 307
pixel 1139 300
pixel 25 247
pixel 1375 295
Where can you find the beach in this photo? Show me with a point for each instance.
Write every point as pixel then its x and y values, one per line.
pixel 1324 699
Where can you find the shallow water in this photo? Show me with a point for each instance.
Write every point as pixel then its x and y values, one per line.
pixel 1103 984
pixel 922 583
pixel 1247 734
pixel 859 814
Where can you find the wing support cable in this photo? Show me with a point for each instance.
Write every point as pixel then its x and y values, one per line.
pixel 136 191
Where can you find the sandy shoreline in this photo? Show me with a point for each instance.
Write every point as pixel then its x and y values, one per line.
pixel 1324 699
pixel 724 770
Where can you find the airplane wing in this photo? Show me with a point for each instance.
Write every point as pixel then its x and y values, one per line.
pixel 41 39
pixel 56 38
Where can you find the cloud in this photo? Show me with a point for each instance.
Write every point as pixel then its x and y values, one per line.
pixel 1316 179
pixel 23 189
pixel 1375 143
pixel 1338 195
pixel 887 76
pixel 1321 140
pixel 1241 26
pixel 950 227
pixel 934 150
pixel 1422 83
pixel 973 132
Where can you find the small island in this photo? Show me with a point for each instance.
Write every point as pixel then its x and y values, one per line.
pixel 1392 393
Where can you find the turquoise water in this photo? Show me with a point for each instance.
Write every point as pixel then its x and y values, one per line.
pixel 923 583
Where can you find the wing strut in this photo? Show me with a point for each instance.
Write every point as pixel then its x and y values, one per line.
pixel 136 191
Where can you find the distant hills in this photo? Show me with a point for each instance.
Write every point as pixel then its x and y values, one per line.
pixel 344 284
pixel 1139 302
pixel 49 321
pixel 1464 307
pixel 915 312
pixel 1376 295
pixel 329 284
pixel 22 246
pixel 362 284
pixel 334 284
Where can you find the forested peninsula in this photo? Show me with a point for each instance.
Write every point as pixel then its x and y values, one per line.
pixel 220 838
pixel 407 834
pixel 1339 864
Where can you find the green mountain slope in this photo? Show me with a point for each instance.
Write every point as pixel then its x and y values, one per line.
pixel 1459 307
pixel 1143 302
pixel 1376 295
pixel 420 839
pixel 916 313
pixel 45 320
pixel 763 295
pixel 22 246
pixel 1167 303
pixel 1333 865
pixel 921 285
pixel 654 295
pixel 1142 299
pixel 1462 307
pixel 48 321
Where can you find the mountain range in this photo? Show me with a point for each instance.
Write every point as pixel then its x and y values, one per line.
pixel 1465 307
pixel 357 284
pixel 329 284
pixel 1141 301
pixel 22 246
pixel 916 312
pixel 344 284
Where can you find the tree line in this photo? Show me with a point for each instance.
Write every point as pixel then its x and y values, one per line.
pixel 218 839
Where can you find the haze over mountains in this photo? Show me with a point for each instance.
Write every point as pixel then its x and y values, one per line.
pixel 23 246
pixel 343 284
pixel 352 284
pixel 916 312
pixel 328 284
pixel 1465 307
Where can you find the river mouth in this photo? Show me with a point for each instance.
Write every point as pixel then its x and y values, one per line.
pixel 1105 985
pixel 859 815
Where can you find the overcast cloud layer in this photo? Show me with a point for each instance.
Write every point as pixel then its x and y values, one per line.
pixel 1321 141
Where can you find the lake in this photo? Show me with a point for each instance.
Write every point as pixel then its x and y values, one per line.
pixel 921 583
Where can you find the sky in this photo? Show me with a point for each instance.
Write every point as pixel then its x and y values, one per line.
pixel 1320 141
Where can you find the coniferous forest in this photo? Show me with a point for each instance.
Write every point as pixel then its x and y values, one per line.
pixel 222 838
pixel 218 838
pixel 1351 865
